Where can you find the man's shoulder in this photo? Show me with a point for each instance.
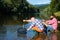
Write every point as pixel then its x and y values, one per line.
pixel 38 21
pixel 54 19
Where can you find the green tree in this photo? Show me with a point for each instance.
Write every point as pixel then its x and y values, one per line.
pixel 19 8
pixel 55 5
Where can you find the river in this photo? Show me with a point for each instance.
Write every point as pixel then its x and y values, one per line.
pixel 9 32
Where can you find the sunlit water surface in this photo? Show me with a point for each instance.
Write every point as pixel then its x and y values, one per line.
pixel 9 32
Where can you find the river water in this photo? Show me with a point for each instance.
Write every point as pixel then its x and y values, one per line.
pixel 9 32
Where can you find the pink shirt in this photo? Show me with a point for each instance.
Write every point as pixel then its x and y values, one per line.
pixel 54 23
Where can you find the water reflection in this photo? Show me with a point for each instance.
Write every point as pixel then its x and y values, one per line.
pixel 22 37
pixel 2 33
pixel 40 37
pixel 10 33
pixel 52 36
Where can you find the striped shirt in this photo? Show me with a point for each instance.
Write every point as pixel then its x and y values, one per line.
pixel 37 23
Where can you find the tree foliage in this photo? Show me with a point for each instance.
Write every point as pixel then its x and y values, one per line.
pixel 18 8
pixel 55 5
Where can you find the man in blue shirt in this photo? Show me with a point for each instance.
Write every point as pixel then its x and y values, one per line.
pixel 36 24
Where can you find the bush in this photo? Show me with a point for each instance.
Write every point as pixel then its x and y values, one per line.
pixel 59 26
pixel 57 14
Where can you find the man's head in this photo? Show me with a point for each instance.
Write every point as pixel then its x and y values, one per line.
pixel 32 19
pixel 51 17
pixel 43 20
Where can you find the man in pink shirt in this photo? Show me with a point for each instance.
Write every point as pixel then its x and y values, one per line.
pixel 53 22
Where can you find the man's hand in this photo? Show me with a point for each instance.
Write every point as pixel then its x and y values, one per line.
pixel 24 20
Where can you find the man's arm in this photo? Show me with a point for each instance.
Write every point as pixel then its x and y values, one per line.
pixel 26 20
pixel 44 23
pixel 31 26
pixel 52 21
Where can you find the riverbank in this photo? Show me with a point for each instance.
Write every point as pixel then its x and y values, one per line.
pixel 13 22
pixel 58 21
pixel 58 25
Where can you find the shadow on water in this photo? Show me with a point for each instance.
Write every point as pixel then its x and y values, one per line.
pixel 9 32
pixel 2 33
